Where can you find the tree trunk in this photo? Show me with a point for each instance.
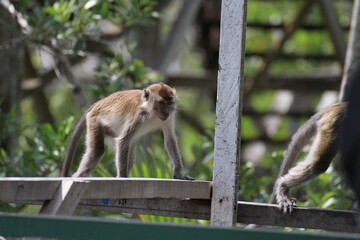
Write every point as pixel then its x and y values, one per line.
pixel 11 69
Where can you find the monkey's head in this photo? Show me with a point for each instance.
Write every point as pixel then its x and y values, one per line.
pixel 162 99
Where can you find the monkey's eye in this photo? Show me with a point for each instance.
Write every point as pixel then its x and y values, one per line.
pixel 162 102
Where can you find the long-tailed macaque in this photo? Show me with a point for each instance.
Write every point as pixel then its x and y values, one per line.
pixel 126 116
pixel 325 126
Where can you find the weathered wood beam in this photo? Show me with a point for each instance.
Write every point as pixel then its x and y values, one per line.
pixel 228 112
pixel 293 56
pixel 256 213
pixel 276 26
pixel 182 208
pixel 290 113
pixel 203 82
pixel 266 140
pixel 307 27
pixel 313 218
pixel 66 198
pixel 300 83
pixel 15 189
pixel 295 83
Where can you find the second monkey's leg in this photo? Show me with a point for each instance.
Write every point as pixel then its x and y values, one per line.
pixel 316 162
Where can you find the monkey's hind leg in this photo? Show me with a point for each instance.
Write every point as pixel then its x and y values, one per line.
pixel 94 149
pixel 316 162
pixel 132 156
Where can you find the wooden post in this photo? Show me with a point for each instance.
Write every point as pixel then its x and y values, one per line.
pixel 228 113
pixel 66 198
pixel 352 61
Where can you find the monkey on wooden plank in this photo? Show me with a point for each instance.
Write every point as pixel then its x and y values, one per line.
pixel 126 116
pixel 324 125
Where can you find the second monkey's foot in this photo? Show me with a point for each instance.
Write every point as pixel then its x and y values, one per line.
pixel 287 205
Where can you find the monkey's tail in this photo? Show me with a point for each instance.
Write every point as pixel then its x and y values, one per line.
pixel 70 152
pixel 298 141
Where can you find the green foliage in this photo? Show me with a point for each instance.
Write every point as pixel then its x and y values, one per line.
pixel 42 150
pixel 328 191
pixel 273 12
pixel 132 12
pixel 47 148
pixel 9 125
pixel 150 218
pixel 255 185
pixel 262 100
pixel 64 25
pixel 114 74
pixel 248 128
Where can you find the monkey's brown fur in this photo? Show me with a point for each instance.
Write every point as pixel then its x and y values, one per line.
pixel 126 116
pixel 324 125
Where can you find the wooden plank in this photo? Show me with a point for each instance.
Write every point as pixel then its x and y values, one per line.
pixel 189 208
pixel 16 225
pixel 295 56
pixel 256 213
pixel 228 112
pixel 301 83
pixel 312 218
pixel 181 208
pixel 148 188
pixel 66 198
pixel 281 26
pixel 13 189
pixel 319 83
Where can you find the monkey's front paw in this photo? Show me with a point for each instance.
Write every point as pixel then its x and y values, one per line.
pixel 287 205
pixel 181 177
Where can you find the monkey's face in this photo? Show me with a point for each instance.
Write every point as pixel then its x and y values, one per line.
pixel 163 108
pixel 163 99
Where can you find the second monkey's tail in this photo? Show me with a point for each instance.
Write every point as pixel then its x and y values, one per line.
pixel 298 141
pixel 70 152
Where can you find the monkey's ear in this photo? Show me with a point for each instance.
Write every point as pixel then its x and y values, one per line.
pixel 146 94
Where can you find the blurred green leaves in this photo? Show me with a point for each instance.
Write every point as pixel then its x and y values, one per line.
pixel 116 74
pixel 41 151
pixel 64 24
